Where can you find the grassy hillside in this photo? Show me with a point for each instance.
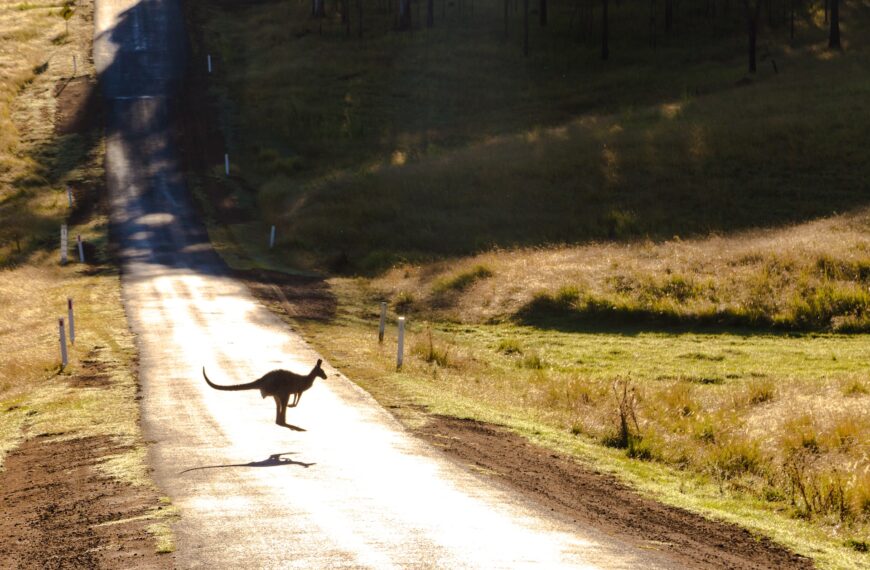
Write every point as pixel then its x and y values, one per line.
pixel 449 142
pixel 561 230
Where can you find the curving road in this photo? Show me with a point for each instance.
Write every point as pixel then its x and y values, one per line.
pixel 355 489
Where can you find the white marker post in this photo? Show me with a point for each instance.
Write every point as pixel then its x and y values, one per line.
pixel 383 324
pixel 64 243
pixel 227 163
pixel 272 238
pixel 209 63
pixel 71 319
pixel 400 356
pixel 64 359
pixel 81 249
pixel 69 196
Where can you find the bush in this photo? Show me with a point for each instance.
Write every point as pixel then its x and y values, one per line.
pixel 463 280
pixel 509 346
pixel 818 307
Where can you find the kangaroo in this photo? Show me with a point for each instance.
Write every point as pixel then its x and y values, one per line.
pixel 279 384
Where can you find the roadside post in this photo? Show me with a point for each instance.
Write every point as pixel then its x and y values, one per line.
pixel 81 249
pixel 272 238
pixel 209 63
pixel 64 359
pixel 227 163
pixel 71 319
pixel 69 198
pixel 64 243
pixel 400 355
pixel 383 323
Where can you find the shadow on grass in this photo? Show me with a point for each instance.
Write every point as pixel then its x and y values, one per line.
pixel 547 313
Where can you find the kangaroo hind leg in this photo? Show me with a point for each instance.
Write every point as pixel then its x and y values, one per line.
pixel 283 413
pixel 279 410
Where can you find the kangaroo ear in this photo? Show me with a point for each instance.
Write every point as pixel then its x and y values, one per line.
pixel 319 362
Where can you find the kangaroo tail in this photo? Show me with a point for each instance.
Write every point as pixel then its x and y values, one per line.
pixel 248 386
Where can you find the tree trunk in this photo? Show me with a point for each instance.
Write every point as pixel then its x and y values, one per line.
pixel 669 15
pixel 543 12
pixel 404 14
pixel 834 38
pixel 752 15
pixel 605 39
pixel 526 27
pixel 506 18
pixel 319 8
pixel 430 13
pixel 359 8
pixel 791 21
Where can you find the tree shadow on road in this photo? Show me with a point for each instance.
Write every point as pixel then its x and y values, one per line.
pixel 274 460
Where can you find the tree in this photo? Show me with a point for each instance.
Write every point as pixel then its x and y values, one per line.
pixel 834 37
pixel 430 13
pixel 669 15
pixel 404 14
pixel 542 10
pixel 605 39
pixel 526 27
pixel 752 15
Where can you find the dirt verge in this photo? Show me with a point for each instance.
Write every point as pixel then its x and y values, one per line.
pixel 60 511
pixel 591 498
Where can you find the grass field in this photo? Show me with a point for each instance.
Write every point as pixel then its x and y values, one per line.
pixel 95 395
pixel 656 263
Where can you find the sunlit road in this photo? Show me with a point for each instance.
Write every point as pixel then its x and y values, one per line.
pixel 354 490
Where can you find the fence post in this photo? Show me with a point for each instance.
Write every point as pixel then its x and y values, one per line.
pixel 383 323
pixel 63 354
pixel 400 356
pixel 64 243
pixel 71 319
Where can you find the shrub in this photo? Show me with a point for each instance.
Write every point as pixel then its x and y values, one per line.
pixel 532 362
pixel 430 352
pixel 509 346
pixel 463 280
pixel 760 391
pixel 818 307
pixel 733 458
pixel 403 301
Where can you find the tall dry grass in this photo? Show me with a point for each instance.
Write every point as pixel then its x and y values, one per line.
pixel 810 276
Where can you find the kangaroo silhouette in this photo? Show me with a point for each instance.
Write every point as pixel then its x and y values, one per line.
pixel 279 384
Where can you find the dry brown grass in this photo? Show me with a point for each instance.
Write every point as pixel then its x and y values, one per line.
pixel 32 42
pixel 811 276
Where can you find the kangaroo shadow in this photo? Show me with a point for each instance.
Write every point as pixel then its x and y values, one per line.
pixel 274 460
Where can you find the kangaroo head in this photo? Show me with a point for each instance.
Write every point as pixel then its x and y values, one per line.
pixel 318 370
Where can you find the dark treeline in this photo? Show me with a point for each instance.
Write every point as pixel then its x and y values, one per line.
pixel 590 20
